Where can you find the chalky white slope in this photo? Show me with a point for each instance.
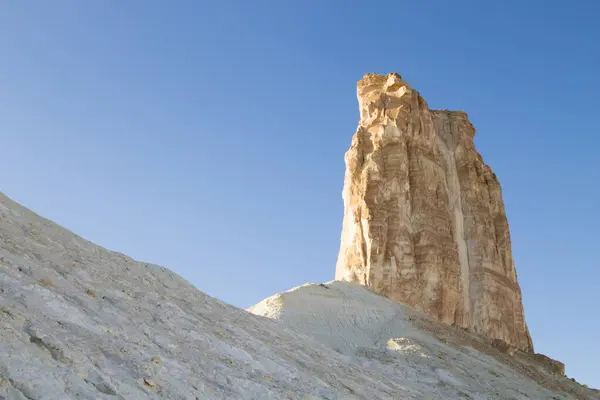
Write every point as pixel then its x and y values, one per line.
pixel 78 321
pixel 427 359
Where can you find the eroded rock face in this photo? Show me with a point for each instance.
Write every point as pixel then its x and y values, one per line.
pixel 424 220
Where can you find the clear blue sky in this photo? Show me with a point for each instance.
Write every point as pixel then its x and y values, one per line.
pixel 209 136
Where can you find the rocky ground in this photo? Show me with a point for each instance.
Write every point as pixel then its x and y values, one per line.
pixel 79 321
pixel 436 360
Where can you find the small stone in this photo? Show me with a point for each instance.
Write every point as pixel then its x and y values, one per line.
pixel 156 360
pixel 149 382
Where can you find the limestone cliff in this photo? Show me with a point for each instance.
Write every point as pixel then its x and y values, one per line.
pixel 424 221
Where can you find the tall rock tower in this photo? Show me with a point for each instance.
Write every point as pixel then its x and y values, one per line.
pixel 424 221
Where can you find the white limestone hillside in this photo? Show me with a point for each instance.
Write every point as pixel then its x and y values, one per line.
pixel 81 322
pixel 390 339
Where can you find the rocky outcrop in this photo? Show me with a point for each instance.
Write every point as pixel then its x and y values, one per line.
pixel 424 221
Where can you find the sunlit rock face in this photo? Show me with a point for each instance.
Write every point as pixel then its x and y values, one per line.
pixel 424 221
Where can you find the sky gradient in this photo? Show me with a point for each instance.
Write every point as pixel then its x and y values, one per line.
pixel 209 136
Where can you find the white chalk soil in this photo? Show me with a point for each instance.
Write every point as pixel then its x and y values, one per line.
pixel 388 340
pixel 80 322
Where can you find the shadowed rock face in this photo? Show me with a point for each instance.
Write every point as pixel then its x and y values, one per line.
pixel 424 221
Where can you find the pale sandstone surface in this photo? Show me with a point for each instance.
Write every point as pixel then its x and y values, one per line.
pixel 424 221
pixel 80 322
